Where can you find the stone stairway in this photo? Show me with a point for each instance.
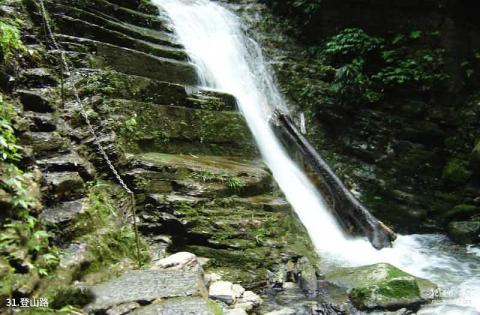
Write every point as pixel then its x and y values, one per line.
pixel 185 151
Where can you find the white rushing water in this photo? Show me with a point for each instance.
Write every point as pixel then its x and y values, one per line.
pixel 229 61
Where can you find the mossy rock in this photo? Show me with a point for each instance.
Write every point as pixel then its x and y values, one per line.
pixel 461 212
pixel 383 286
pixel 456 171
pixel 465 232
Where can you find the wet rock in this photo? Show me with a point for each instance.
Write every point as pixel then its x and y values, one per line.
pixel 35 100
pixel 147 285
pixel 461 212
pixel 63 213
pixel 138 63
pixel 222 291
pixel 68 162
pixel 307 275
pixel 282 311
pixel 383 286
pixel 37 77
pixel 465 232
pixel 41 122
pixel 46 141
pixel 64 184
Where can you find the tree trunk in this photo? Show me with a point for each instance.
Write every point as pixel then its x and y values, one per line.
pixel 350 212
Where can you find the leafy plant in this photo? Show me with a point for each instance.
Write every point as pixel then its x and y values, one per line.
pixel 235 183
pixel 9 39
pixel 368 68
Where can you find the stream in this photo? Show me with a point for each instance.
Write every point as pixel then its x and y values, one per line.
pixel 229 61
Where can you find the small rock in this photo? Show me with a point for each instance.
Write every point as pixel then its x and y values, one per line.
pixel 248 301
pixel 177 261
pixel 289 285
pixel 222 291
pixel 211 277
pixel 238 290
pixel 236 311
pixel 282 311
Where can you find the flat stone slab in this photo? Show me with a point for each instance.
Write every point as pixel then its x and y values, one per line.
pixel 179 306
pixel 63 212
pixel 148 285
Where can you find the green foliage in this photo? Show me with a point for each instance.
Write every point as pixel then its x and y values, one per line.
pixel 22 238
pixel 351 43
pixel 9 150
pixel 456 171
pixel 370 68
pixel 233 183
pixel 10 40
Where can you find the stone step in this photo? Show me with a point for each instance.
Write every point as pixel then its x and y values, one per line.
pixel 138 88
pixel 176 129
pixel 60 186
pixel 43 143
pixel 36 100
pixel 79 28
pixel 70 162
pixel 117 13
pixel 138 32
pixel 137 5
pixel 42 122
pixel 37 78
pixel 134 62
pixel 203 177
pixel 62 214
pixel 145 286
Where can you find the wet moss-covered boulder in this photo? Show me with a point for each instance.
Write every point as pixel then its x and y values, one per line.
pixel 383 286
pixel 465 232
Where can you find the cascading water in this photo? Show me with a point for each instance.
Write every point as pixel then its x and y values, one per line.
pixel 229 61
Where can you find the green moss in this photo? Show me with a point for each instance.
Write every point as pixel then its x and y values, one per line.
pixel 456 171
pixel 215 308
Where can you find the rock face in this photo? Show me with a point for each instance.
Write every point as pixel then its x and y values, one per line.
pixel 383 286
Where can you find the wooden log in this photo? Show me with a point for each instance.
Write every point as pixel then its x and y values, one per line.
pixel 348 209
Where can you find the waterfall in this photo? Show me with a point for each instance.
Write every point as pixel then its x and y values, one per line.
pixel 229 61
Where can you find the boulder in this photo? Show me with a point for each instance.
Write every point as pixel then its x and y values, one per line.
pixel 464 232
pixel 383 286
pixel 222 291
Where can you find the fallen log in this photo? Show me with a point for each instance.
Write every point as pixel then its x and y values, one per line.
pixel 348 209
